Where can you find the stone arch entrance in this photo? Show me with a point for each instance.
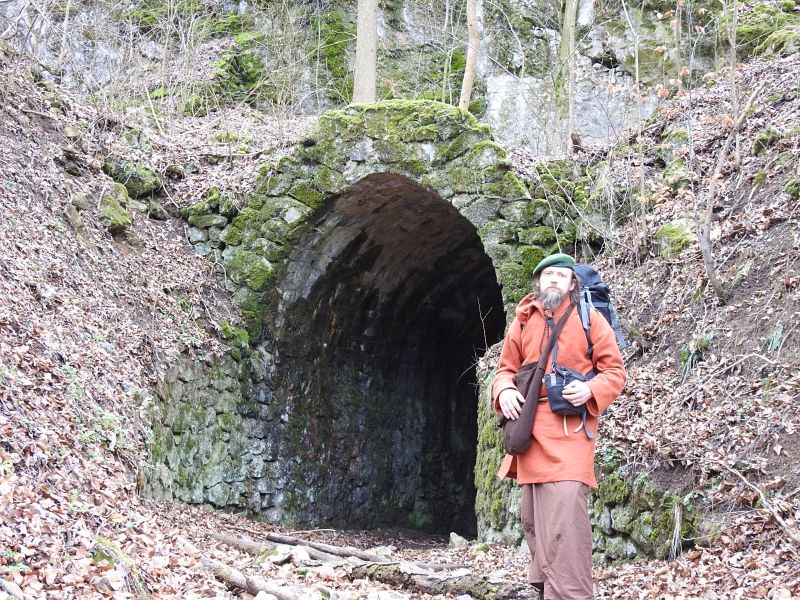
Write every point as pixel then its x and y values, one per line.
pixel 388 301
pixel 373 267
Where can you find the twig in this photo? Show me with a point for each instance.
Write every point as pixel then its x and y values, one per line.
pixel 713 190
pixel 28 111
pixel 790 530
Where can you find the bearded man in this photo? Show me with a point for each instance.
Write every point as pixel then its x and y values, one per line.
pixel 558 468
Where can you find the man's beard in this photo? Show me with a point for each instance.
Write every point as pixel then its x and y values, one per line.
pixel 551 298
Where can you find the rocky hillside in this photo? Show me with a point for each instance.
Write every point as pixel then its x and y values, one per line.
pixel 103 292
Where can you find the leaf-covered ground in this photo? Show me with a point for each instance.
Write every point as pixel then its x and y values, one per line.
pixel 88 322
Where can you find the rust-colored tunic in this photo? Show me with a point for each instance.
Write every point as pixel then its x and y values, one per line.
pixel 553 456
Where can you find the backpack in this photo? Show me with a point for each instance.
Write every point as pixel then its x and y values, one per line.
pixel 594 293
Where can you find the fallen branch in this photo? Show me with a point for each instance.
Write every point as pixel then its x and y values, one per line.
pixel 790 530
pixel 252 585
pixel 324 552
pixel 256 549
pixel 475 586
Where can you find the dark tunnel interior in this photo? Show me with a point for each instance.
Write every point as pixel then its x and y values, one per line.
pixel 389 301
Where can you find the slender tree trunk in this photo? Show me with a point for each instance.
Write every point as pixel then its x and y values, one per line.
pixel 472 55
pixel 366 51
pixel 62 54
pixel 566 56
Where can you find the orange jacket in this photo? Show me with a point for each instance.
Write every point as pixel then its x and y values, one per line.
pixel 552 456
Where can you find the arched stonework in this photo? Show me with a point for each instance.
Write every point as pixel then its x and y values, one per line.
pixel 373 266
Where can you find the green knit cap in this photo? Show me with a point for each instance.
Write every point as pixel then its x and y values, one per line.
pixel 554 260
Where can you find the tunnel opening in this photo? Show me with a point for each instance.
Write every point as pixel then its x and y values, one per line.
pixel 388 302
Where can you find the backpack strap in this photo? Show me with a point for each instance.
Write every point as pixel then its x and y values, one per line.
pixel 585 308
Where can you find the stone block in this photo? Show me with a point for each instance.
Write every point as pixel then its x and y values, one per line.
pixel 218 494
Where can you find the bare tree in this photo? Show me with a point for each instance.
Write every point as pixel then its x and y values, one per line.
pixel 472 55
pixel 566 57
pixel 366 51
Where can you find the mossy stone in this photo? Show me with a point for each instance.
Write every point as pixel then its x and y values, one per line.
pixel 783 42
pixel 792 188
pixel 676 175
pixel 756 27
pixel 613 489
pixel 765 140
pixel 206 221
pixel 497 232
pixel 537 236
pixel 674 237
pixel 74 217
pixel 138 181
pixel 156 211
pixel 79 201
pixel 113 214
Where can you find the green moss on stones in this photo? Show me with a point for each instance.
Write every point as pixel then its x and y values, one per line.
pixel 676 175
pixel 674 237
pixel 507 186
pixel 150 14
pixel 613 489
pixel 236 336
pixel 335 36
pixel 780 43
pixel 196 105
pixel 537 211
pixel 113 214
pixel 792 188
pixel 205 221
pixel 229 24
pixel 516 282
pixel 537 236
pixel 248 268
pixel 239 72
pixel 765 140
pixel 768 28
pixel 494 497
pixel 138 181
pixel 675 137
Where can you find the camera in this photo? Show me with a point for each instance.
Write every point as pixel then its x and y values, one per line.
pixel 556 381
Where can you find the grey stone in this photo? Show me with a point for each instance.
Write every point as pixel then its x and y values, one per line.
pixel 257 468
pixel 157 211
pixel 80 201
pixel 456 541
pixel 622 517
pixel 214 233
pixel 218 494
pixel 196 234
pixel 203 249
pixel 137 205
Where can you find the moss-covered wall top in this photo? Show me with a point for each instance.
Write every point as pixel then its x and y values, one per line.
pixel 436 145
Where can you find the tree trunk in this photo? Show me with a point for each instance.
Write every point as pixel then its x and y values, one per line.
pixel 475 586
pixel 472 55
pixel 566 55
pixel 366 51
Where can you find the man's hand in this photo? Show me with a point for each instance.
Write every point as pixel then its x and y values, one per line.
pixel 577 393
pixel 511 402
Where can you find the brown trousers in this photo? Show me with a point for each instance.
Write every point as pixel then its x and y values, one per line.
pixel 555 519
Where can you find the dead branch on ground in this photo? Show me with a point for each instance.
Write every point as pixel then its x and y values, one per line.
pixel 474 585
